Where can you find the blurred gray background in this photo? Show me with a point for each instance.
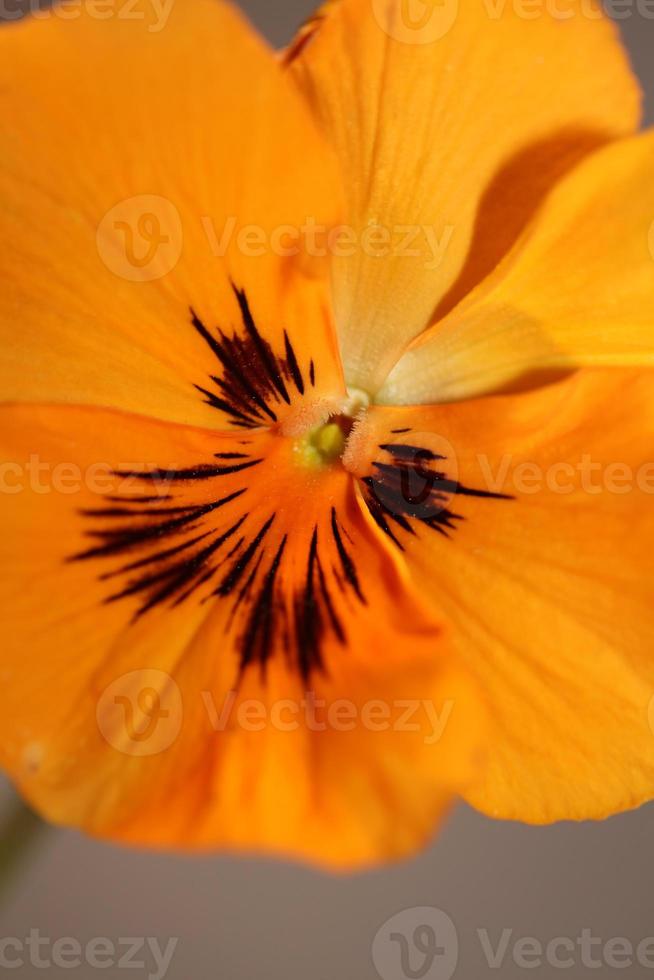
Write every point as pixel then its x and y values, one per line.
pixel 238 919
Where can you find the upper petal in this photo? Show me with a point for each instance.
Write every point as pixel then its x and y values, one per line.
pixel 160 166
pixel 450 123
pixel 577 290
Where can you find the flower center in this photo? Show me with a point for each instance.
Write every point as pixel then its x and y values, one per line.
pixel 329 440
pixel 327 443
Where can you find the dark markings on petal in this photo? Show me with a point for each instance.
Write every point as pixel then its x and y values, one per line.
pixel 329 605
pixel 127 538
pixel 339 580
pixel 399 432
pixel 204 471
pixel 154 499
pixel 257 642
pixel 293 366
pixel 156 558
pixel 347 565
pixel 128 512
pixel 237 418
pixel 238 569
pixel 314 612
pixel 409 489
pixel 308 624
pixel 312 374
pixel 241 374
pixel 172 553
pixel 380 512
pixel 263 349
pixel 184 576
pixel 253 379
pixel 245 589
pixel 401 451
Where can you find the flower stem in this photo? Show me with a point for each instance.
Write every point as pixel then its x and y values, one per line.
pixel 20 833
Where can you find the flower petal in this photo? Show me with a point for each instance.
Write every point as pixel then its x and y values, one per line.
pixel 221 658
pixel 549 593
pixel 450 128
pixel 159 164
pixel 577 290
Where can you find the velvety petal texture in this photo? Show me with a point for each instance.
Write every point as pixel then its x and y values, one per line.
pixel 449 128
pixel 534 539
pixel 577 290
pixel 220 653
pixel 164 164
pixel 227 623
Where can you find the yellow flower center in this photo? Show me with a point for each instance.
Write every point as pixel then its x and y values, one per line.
pixel 327 443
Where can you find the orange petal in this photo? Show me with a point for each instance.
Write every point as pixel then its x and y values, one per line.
pixel 160 163
pixel 451 122
pixel 549 593
pixel 220 655
pixel 577 290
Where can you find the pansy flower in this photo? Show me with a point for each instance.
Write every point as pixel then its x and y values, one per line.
pixel 327 423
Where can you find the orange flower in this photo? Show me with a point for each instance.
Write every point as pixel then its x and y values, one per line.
pixel 327 421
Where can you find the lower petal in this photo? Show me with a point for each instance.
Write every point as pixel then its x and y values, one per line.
pixel 206 646
pixel 534 536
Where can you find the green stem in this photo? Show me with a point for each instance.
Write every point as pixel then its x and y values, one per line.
pixel 20 834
